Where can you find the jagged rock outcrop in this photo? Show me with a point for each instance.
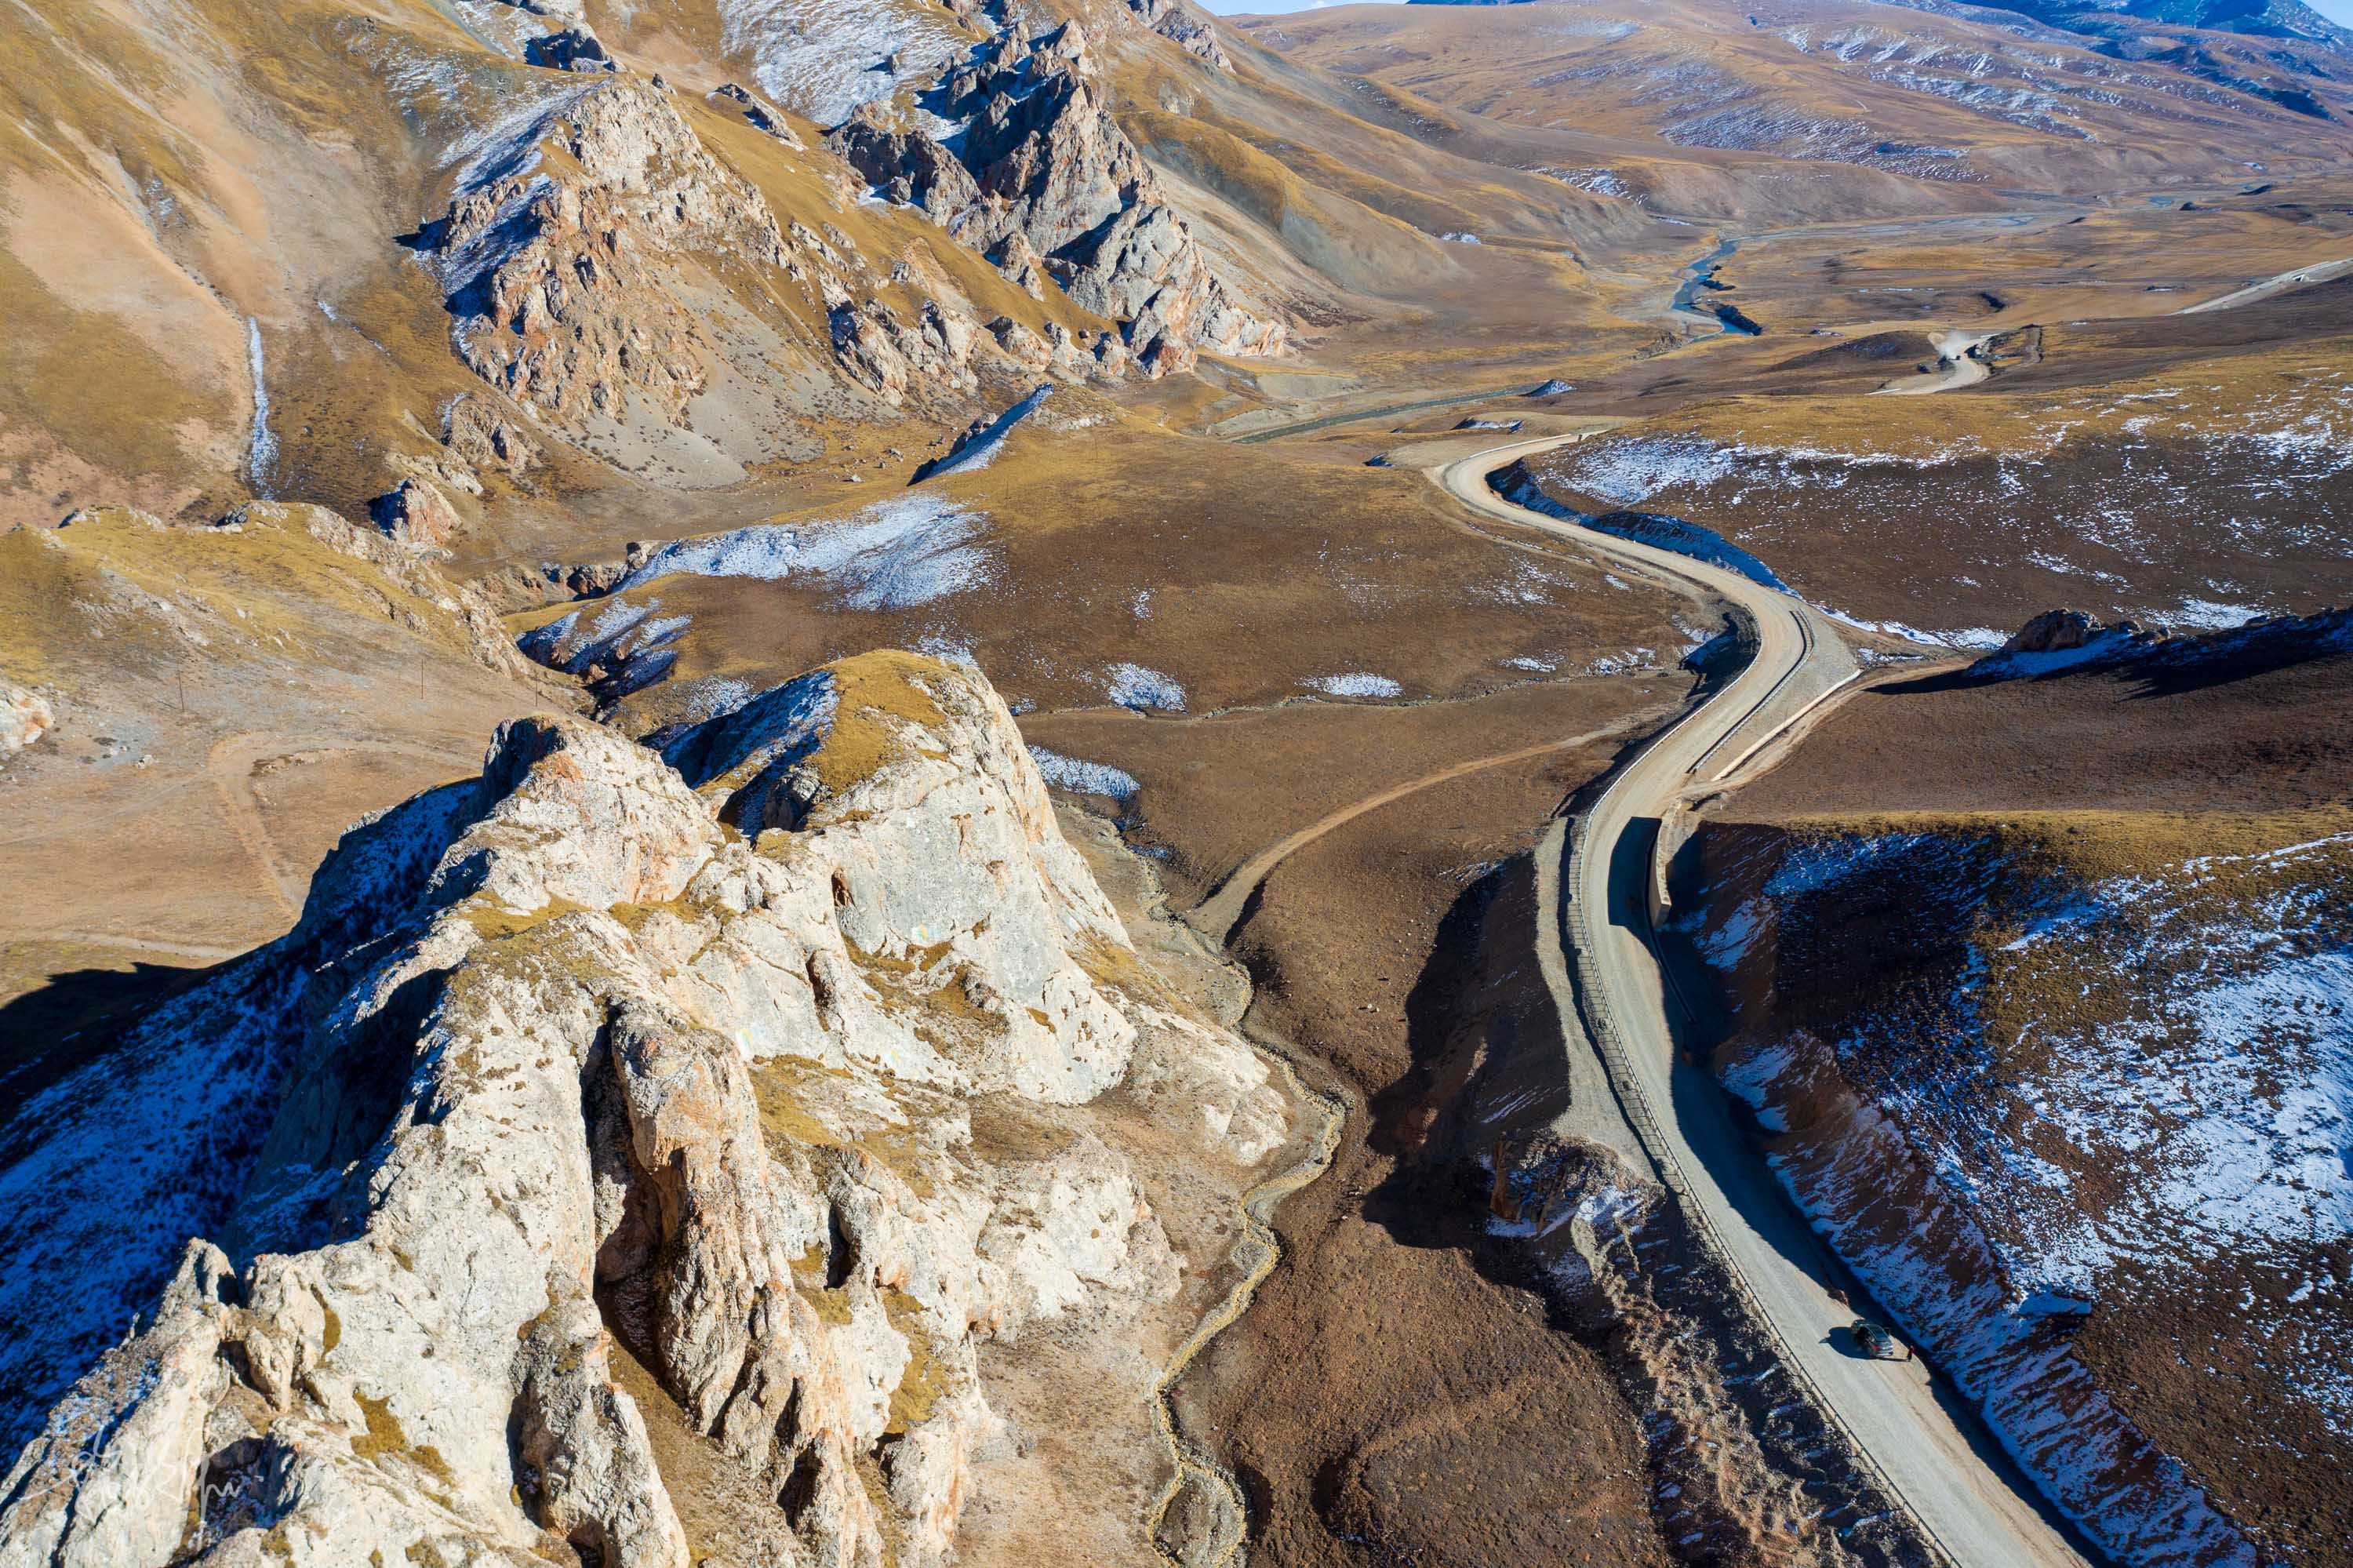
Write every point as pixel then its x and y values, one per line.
pixel 1039 173
pixel 894 357
pixel 589 274
pixel 417 514
pixel 760 115
pixel 570 49
pixel 478 433
pixel 1172 20
pixel 561 282
pixel 613 1060
pixel 25 716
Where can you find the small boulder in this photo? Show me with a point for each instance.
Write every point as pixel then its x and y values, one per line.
pixel 574 48
pixel 2055 631
pixel 25 718
pixel 1020 345
pixel 417 515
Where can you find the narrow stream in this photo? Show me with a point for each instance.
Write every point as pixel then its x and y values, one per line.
pixel 1701 274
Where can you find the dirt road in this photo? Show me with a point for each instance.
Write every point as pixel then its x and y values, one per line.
pixel 2319 272
pixel 1969 1500
pixel 1958 364
pixel 1216 917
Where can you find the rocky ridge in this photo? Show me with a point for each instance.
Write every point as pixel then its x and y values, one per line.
pixel 607 268
pixel 598 1171
pixel 560 260
pixel 1180 25
pixel 1017 154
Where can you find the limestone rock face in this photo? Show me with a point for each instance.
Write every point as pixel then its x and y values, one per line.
pixel 1043 176
pixel 25 718
pixel 612 1091
pixel 594 273
pixel 478 433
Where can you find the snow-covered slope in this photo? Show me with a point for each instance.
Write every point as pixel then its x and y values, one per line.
pixel 2074 1093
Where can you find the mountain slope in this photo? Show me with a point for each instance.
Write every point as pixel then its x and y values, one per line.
pixel 2048 1038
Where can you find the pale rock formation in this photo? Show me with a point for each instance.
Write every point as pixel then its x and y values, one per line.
pixel 1021 264
pixel 441 468
pixel 1019 344
pixel 25 718
pixel 893 357
pixel 1043 175
pixel 612 1059
pixel 590 279
pixel 1057 353
pixel 417 514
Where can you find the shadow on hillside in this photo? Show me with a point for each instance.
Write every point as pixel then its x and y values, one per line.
pixel 79 1017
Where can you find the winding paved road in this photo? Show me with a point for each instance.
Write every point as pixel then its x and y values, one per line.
pixel 1629 1089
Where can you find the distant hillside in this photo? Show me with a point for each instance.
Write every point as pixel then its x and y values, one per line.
pixel 2256 18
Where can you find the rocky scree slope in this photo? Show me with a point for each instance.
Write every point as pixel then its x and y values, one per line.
pixel 608 1095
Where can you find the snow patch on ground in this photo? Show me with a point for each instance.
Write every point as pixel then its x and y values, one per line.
pixel 2216 1122
pixel 2203 615
pixel 981 450
pixel 826 59
pixel 110 1168
pixel 893 555
pixel 1084 777
pixel 1354 684
pixel 1749 1077
pixel 1967 637
pixel 946 650
pixel 1143 688
pixel 261 451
